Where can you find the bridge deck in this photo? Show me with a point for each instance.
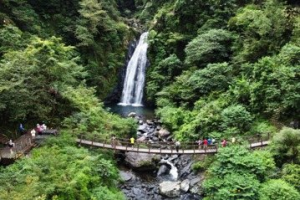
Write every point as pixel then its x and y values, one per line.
pixel 160 151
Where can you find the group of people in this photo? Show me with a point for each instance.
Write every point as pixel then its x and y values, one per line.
pixel 38 129
pixel 203 144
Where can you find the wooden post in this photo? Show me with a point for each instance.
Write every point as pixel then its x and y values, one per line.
pixel 126 146
pixel 104 141
pixel 149 147
pixel 138 146
pixel 194 149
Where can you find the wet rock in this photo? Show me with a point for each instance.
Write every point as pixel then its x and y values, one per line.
pixel 186 170
pixel 149 122
pixel 195 181
pixel 190 197
pixel 142 139
pixel 141 161
pixel 185 185
pixel 197 189
pixel 143 128
pixel 169 188
pixel 132 114
pixel 125 176
pixel 163 169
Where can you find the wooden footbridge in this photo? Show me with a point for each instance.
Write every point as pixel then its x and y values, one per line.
pixel 21 145
pixel 158 147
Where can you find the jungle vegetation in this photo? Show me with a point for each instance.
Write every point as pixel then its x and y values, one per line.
pixel 219 68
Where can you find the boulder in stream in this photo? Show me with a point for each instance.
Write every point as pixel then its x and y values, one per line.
pixel 169 188
pixel 142 161
pixel 163 132
pixel 185 185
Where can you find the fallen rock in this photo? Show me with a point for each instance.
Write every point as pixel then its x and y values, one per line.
pixel 163 132
pixel 185 185
pixel 169 188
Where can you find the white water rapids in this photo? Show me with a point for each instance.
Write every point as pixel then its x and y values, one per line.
pixel 134 82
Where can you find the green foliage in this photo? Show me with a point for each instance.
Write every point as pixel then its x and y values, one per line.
pixel 262 28
pixel 291 174
pixel 211 46
pixel 236 173
pixel 278 189
pixel 59 172
pixel 91 119
pixel 286 146
pixel 203 165
pixel 232 186
pixel 32 79
pixel 236 116
pixel 215 77
pixel 164 74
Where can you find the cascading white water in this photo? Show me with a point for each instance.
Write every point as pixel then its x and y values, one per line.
pixel 173 171
pixel 135 75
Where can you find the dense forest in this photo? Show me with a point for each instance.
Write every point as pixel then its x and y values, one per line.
pixel 218 68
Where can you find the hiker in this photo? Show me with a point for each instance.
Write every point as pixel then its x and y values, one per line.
pixel 199 143
pixel 21 129
pixel 38 129
pixel 205 142
pixel 113 141
pixel 177 145
pixel 11 144
pixel 33 132
pixel 224 143
pixel 132 141
pixel 43 127
pixel 209 141
pixel 233 140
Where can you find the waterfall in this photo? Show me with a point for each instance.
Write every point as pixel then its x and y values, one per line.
pixel 134 82
pixel 173 171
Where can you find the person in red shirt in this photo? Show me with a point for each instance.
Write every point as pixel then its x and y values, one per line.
pixel 205 142
pixel 224 143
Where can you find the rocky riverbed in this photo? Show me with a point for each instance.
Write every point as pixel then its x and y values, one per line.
pixel 158 177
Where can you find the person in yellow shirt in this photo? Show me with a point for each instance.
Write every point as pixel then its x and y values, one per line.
pixel 132 141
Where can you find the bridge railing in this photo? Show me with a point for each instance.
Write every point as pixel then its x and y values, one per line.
pixel 159 145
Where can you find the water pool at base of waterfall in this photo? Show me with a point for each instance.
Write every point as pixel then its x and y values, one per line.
pixel 144 112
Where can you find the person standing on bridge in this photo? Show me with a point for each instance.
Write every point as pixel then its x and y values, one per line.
pixel 224 143
pixel 11 144
pixel 113 141
pixel 205 142
pixel 132 142
pixel 177 145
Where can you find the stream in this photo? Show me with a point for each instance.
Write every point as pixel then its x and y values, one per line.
pixel 169 177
